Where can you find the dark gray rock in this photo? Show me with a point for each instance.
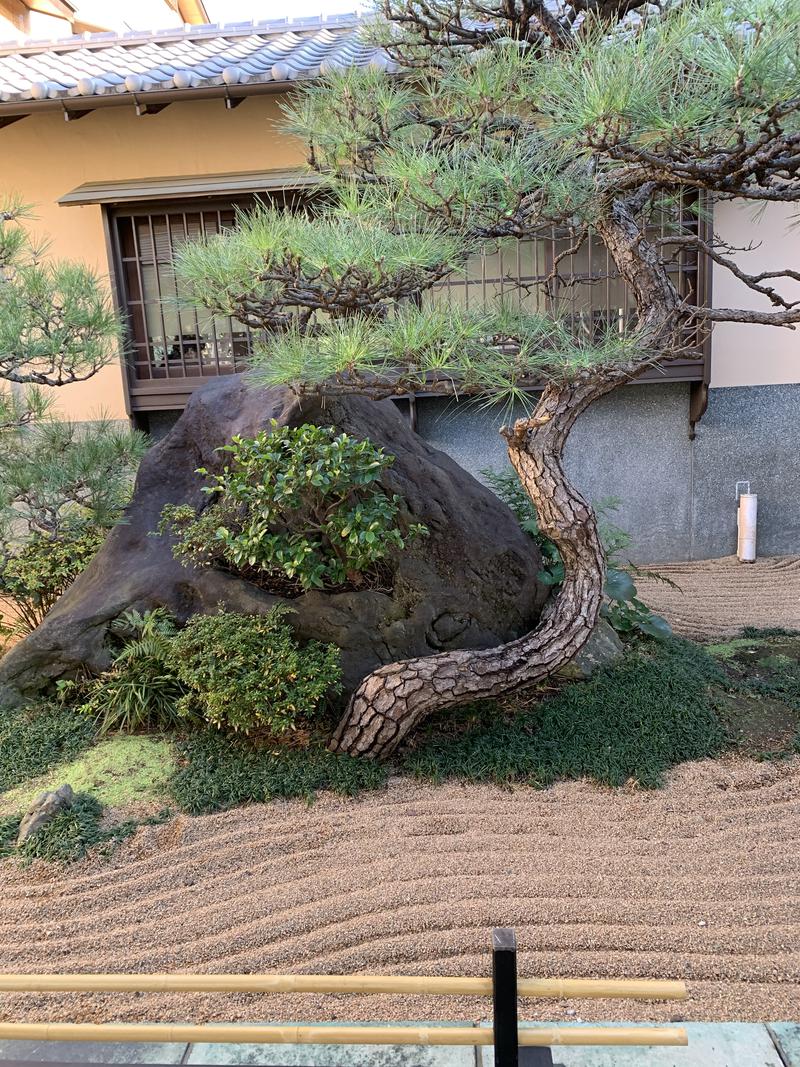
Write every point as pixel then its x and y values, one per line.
pixel 601 650
pixel 43 810
pixel 470 584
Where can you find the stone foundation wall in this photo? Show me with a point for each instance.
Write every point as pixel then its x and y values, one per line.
pixel 677 496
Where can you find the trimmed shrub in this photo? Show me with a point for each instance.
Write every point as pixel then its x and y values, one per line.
pixel 247 672
pixel 43 567
pixel 302 504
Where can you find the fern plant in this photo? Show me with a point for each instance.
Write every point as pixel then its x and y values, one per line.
pixel 141 689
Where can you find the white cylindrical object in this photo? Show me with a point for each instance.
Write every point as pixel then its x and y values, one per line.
pixel 748 518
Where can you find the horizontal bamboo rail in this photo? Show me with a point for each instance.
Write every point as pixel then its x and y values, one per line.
pixel 561 988
pixel 338 1035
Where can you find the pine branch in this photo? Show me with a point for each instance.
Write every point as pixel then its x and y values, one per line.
pixel 752 281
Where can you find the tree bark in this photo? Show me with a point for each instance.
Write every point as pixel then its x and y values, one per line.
pixel 393 700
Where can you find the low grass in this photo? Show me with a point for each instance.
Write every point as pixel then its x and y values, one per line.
pixel 217 771
pixel 70 835
pixel 37 738
pixel 117 772
pixel 630 723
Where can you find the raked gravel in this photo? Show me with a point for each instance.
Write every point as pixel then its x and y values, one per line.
pixel 700 880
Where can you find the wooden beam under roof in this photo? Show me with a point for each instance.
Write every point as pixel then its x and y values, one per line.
pixel 57 8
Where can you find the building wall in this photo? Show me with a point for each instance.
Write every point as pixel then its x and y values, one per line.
pixel 755 355
pixel 677 496
pixel 42 157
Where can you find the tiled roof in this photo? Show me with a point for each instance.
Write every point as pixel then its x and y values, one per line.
pixel 241 54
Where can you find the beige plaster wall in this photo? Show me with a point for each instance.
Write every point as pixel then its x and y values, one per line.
pixel 755 355
pixel 42 157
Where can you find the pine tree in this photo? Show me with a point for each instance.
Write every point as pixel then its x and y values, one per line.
pixel 62 484
pixel 493 121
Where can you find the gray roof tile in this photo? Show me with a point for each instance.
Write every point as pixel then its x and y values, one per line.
pixel 239 53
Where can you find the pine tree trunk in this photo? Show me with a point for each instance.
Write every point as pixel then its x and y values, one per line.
pixel 393 700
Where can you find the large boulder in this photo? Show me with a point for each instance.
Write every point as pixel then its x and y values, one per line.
pixel 470 584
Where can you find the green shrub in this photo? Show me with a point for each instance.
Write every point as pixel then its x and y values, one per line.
pixel 623 609
pixel 42 568
pixel 631 721
pixel 63 486
pixel 303 504
pixel 217 772
pixel 142 688
pixel 243 672
pixel 34 739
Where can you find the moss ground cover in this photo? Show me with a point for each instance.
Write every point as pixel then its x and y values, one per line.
pixel 117 772
pixel 663 703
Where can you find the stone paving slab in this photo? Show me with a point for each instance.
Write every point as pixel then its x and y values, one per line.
pixel 710 1045
pixel 787 1039
pixel 340 1055
pixel 93 1052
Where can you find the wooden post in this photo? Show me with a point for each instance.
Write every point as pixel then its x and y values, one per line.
pixel 504 998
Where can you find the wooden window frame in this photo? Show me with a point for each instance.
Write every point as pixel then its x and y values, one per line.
pixel 167 393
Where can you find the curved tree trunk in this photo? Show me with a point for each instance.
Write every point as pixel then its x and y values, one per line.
pixel 391 701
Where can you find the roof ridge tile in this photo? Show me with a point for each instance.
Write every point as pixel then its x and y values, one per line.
pixel 164 61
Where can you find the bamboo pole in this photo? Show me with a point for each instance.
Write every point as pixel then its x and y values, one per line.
pixel 561 988
pixel 338 1035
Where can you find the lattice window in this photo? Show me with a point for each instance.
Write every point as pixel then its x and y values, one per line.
pixel 168 339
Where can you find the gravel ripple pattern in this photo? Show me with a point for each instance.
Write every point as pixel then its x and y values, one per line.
pixel 717 597
pixel 700 880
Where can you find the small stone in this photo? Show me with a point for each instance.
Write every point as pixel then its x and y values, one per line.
pixel 602 649
pixel 43 810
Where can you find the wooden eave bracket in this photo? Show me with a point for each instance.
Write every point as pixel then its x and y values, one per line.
pixel 73 116
pixel 232 102
pixel 148 109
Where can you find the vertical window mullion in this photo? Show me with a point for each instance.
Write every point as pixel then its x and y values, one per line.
pixel 158 290
pixel 194 306
pixel 248 340
pixel 214 340
pixel 137 254
pixel 177 299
